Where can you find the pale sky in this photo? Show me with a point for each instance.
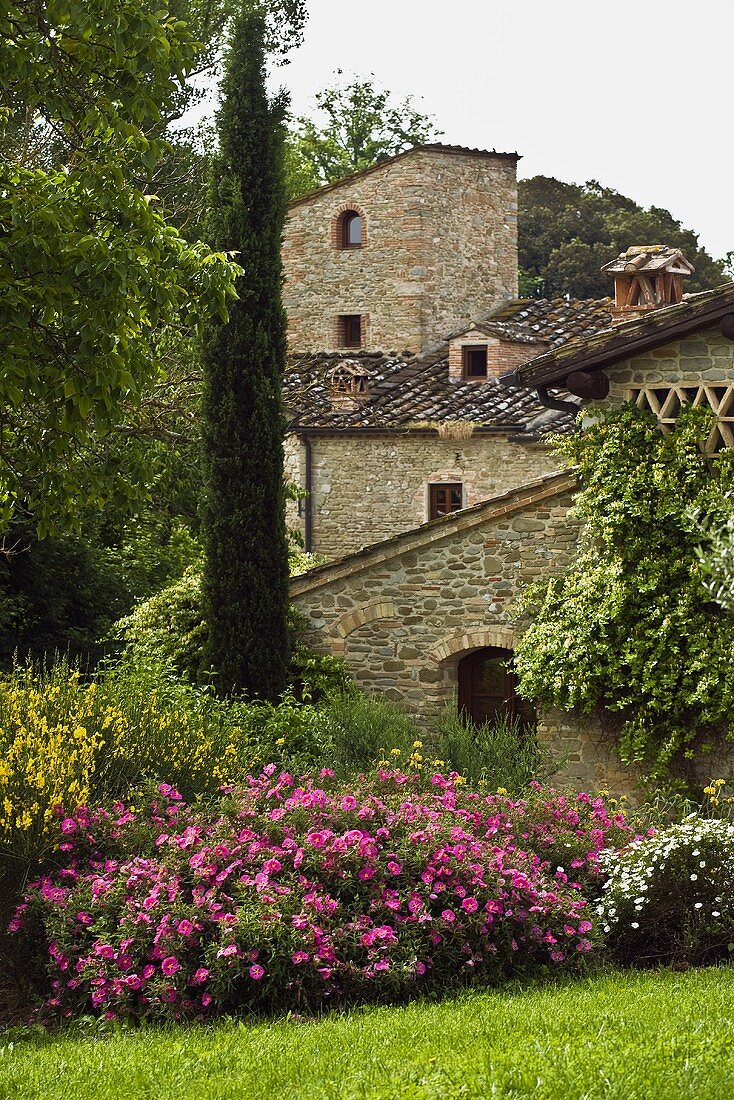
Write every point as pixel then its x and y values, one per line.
pixel 635 95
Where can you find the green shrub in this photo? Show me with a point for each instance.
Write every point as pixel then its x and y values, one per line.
pixel 170 626
pixel 670 897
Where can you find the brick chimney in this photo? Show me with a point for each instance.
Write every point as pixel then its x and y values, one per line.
pixel 647 277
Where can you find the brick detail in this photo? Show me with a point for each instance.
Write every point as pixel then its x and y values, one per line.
pixel 336 224
pixel 502 355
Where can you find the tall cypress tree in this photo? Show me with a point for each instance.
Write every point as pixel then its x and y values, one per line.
pixel 246 570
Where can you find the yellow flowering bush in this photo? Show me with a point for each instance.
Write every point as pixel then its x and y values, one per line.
pixel 64 742
pixel 49 741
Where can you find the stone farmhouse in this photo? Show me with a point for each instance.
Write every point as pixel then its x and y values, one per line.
pixel 421 393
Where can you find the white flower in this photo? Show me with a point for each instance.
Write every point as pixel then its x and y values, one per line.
pixel 698 905
pixel 634 924
pixel 693 878
pixel 715 913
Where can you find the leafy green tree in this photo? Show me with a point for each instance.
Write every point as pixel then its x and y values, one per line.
pixel 90 271
pixel 567 231
pixel 630 627
pixel 361 127
pixel 716 555
pixel 246 558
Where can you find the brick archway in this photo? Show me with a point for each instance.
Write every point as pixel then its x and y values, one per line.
pixel 500 637
pixel 350 621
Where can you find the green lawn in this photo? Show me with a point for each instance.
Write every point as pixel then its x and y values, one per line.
pixel 664 1036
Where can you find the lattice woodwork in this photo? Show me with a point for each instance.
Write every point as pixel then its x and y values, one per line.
pixel 667 401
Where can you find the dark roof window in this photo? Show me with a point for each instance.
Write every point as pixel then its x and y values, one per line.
pixel 475 360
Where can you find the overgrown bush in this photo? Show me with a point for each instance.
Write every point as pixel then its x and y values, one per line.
pixel 670 897
pixel 630 627
pixel 171 626
pixel 302 893
pixel 64 740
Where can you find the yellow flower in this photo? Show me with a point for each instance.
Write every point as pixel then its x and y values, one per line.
pixel 394 752
pixel 501 790
pixel 417 744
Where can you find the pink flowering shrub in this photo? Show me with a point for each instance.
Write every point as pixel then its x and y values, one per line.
pixel 295 893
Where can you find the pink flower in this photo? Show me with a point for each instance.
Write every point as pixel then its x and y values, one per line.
pixel 299 957
pixel 206 1000
pixel 132 981
pixel 170 965
pixel 200 975
pixel 257 972
pixel 169 995
pixel 394 868
pixel 557 956
pixel 68 825
pixel 148 971
pixel 349 802
pixel 185 928
pixel 124 962
pixel 84 918
pixel 104 950
pixel 584 926
pixel 420 968
pixel 226 952
pixel 448 915
pixel 470 905
pixel 583 946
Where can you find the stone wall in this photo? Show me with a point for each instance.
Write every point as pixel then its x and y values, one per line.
pixel 369 487
pixel 403 614
pixel 705 357
pixel 440 249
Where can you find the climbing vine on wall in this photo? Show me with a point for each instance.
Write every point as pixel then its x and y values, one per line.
pixel 630 627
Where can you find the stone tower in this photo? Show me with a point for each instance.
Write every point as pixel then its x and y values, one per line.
pixel 402 254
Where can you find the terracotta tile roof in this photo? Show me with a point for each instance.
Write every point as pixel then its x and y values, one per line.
pixel 613 345
pixel 552 321
pixel 414 393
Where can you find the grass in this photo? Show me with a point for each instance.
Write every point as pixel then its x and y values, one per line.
pixel 624 1036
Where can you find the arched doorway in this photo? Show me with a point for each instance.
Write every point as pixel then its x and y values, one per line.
pixel 487 688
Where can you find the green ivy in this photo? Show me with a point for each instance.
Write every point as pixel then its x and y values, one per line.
pixel 630 627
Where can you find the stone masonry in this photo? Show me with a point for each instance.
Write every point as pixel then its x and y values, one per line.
pixel 368 487
pixel 404 612
pixel 439 249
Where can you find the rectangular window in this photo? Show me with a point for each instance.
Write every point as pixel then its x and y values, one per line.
pixel 350 330
pixel 475 360
pixel 443 499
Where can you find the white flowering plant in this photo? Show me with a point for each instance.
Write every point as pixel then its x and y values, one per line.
pixel 669 897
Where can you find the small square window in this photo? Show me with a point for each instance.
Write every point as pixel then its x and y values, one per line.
pixel 475 360
pixel 443 499
pixel 350 330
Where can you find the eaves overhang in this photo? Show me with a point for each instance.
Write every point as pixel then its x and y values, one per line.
pixel 620 342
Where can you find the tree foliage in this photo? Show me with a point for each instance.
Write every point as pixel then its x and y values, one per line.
pixel 246 560
pixel 361 126
pixel 567 231
pixel 630 626
pixel 716 555
pixel 90 270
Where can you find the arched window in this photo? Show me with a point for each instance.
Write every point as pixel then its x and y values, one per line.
pixel 351 229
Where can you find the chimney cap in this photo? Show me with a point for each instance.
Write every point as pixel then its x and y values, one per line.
pixel 655 258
